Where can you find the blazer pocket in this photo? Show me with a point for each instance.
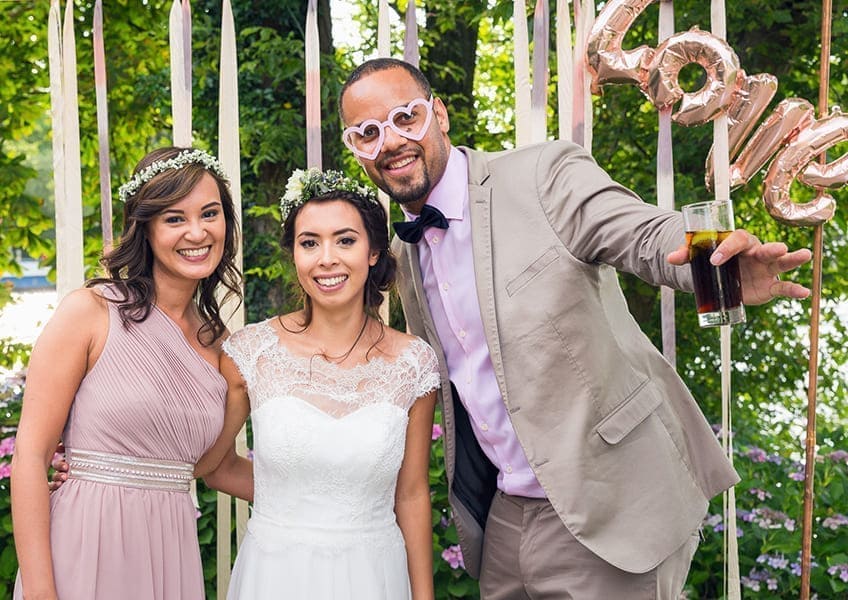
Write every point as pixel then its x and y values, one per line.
pixel 626 416
pixel 535 268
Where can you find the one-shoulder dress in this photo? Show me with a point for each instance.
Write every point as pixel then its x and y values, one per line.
pixel 123 526
pixel 328 443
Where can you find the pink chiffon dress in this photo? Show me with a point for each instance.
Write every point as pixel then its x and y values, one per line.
pixel 124 525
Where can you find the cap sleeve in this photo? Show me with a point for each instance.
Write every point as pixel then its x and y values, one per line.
pixel 425 370
pixel 245 346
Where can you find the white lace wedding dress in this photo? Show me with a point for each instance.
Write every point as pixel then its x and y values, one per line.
pixel 328 443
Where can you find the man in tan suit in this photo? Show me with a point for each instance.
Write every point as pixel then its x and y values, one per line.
pixel 579 465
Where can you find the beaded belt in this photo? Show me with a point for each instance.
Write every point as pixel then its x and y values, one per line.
pixel 130 471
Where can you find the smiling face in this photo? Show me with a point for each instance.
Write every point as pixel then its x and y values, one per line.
pixel 332 254
pixel 406 169
pixel 187 237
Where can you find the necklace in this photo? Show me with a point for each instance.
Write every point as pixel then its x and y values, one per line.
pixel 334 359
pixel 343 357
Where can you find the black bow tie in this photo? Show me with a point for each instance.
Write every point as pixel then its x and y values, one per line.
pixel 412 231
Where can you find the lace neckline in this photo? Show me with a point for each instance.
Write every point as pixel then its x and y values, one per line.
pixel 314 359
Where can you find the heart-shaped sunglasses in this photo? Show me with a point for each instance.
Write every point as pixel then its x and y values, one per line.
pixel 411 121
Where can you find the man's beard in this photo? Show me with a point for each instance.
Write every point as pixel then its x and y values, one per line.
pixel 411 193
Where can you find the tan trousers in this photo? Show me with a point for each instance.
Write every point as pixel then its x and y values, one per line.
pixel 528 554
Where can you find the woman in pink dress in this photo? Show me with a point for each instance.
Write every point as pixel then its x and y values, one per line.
pixel 126 374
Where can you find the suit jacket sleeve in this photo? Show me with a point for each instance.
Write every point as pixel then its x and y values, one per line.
pixel 599 220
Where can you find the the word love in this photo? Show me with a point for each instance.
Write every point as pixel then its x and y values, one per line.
pixel 791 134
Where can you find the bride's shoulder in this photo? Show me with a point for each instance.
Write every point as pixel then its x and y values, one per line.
pixel 250 338
pixel 404 344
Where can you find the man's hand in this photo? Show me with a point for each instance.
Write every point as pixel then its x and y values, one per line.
pixel 60 466
pixel 760 266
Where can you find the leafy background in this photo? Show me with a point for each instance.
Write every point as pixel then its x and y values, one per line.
pixel 466 52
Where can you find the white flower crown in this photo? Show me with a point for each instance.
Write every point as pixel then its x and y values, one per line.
pixel 186 157
pixel 303 185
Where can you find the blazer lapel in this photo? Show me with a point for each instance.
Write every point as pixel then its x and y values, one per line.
pixel 480 200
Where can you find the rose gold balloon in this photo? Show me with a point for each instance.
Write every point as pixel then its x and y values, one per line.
pixel 833 175
pixel 749 102
pixel 789 117
pixel 606 61
pixel 795 157
pixel 718 60
pixel 748 105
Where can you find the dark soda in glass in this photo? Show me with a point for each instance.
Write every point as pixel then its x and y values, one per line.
pixel 718 290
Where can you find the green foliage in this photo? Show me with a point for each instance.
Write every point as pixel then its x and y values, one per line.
pixel 24 214
pixel 451 581
pixel 769 508
pixel 770 351
pixel 11 394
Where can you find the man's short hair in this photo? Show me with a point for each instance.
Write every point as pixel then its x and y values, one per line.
pixel 376 65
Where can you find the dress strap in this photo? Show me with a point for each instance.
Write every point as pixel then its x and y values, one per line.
pixel 129 471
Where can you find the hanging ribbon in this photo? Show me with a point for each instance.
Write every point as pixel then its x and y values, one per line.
pixel 67 176
pixel 539 90
pixel 383 37
pixel 313 87
pixel 584 16
pixel 229 154
pixel 180 41
pixel 102 128
pixel 565 70
pixel 539 93
pixel 411 54
pixel 57 109
pixel 521 60
pixel 665 191
pixel 721 158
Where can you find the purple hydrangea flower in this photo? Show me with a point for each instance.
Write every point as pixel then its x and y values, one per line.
pixel 775 459
pixel 760 494
pixel 713 520
pixel 778 561
pixel 751 584
pixel 771 583
pixel 839 456
pixel 747 516
pixel 437 432
pixel 5 469
pixel 7 446
pixel 840 570
pixel 835 522
pixel 768 518
pixel 453 556
pixel 757 455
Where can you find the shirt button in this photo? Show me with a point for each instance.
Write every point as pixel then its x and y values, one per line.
pixel 435 239
pixel 484 426
pixel 445 286
pixel 508 469
pixel 462 333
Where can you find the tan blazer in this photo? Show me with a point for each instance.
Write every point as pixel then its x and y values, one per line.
pixel 621 448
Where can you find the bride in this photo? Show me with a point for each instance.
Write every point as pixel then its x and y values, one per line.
pixel 342 411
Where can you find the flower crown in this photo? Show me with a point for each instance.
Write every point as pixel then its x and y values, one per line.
pixel 186 157
pixel 303 185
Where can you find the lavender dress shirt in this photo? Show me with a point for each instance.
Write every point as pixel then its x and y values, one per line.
pixel 447 270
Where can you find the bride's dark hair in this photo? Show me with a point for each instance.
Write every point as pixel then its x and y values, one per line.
pixel 381 276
